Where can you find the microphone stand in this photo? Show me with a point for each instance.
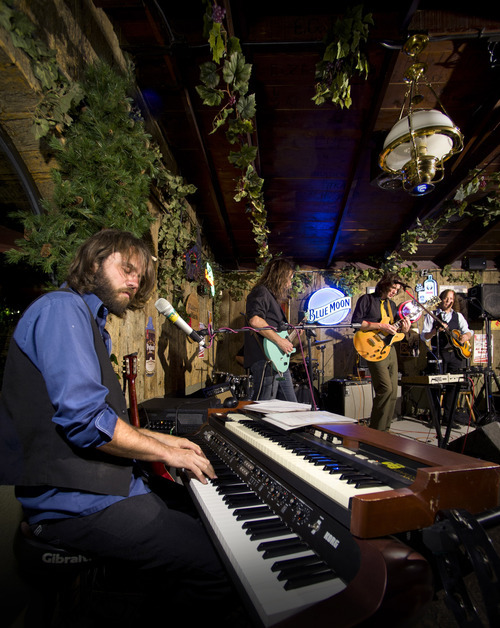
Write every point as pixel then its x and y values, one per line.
pixel 310 334
pixel 321 372
pixel 438 351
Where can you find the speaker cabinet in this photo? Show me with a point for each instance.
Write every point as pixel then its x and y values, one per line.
pixel 483 443
pixel 474 263
pixel 349 398
pixel 488 296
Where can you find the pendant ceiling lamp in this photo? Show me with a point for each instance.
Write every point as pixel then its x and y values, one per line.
pixel 422 139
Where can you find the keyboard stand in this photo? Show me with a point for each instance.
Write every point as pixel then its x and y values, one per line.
pixel 434 395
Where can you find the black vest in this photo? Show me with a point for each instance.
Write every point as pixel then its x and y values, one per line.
pixel 35 452
pixel 444 341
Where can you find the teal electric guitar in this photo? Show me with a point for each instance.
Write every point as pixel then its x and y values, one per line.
pixel 277 357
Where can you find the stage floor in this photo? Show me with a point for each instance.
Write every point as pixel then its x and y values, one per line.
pixel 424 432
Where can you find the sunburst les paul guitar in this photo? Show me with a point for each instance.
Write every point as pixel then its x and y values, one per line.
pixel 130 372
pixel 374 346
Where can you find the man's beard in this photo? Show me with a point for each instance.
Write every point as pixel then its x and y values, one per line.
pixel 113 300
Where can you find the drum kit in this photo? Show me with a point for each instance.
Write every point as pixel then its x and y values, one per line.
pixel 241 386
pixel 300 366
pixel 302 369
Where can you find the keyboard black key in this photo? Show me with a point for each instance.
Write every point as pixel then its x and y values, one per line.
pixel 273 549
pixel 297 583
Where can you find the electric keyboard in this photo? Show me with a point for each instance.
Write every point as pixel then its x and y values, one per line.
pixel 445 378
pixel 290 560
pixel 372 482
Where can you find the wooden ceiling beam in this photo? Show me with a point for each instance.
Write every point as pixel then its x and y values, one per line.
pixel 389 62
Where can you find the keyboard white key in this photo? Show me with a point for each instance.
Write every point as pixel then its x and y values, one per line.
pixel 266 593
pixel 331 485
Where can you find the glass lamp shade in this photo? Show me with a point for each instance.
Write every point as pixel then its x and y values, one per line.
pixel 429 131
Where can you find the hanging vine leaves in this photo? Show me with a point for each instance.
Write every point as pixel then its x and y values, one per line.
pixel 479 197
pixel 225 84
pixel 343 58
pixel 107 164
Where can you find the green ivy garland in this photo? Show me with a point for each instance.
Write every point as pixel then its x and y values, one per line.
pixel 59 95
pixel 225 85
pixel 106 165
pixel 343 58
pixel 176 236
pixel 463 203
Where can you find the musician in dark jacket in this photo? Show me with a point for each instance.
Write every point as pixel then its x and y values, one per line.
pixel 435 328
pixel 67 445
pixel 377 312
pixel 265 315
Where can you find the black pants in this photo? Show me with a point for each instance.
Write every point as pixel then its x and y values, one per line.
pixel 161 539
pixel 451 364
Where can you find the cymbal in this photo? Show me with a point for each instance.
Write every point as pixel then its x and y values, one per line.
pixel 322 342
pixel 300 359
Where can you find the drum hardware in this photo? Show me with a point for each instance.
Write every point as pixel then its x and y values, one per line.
pixel 241 386
pixel 299 371
pixel 219 377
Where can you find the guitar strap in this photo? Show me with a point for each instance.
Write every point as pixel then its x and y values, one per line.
pixel 258 336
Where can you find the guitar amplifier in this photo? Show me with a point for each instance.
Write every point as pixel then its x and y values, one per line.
pixel 174 416
pixel 353 399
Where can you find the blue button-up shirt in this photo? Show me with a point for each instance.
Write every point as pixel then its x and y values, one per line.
pixel 56 334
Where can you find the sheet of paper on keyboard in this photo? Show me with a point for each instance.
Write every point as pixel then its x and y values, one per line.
pixel 292 420
pixel 277 405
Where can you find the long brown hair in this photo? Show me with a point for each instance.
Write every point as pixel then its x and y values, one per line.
pixel 385 284
pixel 457 302
pixel 275 277
pixel 92 253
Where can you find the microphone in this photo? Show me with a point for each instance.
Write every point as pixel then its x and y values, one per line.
pixel 165 308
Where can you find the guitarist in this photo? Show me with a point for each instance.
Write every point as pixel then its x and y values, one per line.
pixel 377 312
pixel 263 310
pixel 448 319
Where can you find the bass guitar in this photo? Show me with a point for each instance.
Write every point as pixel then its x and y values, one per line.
pixel 130 372
pixel 374 346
